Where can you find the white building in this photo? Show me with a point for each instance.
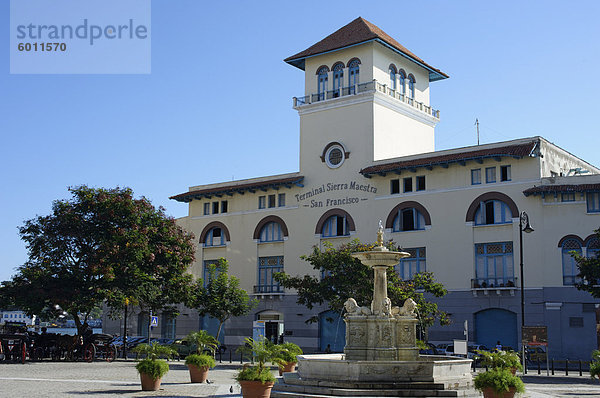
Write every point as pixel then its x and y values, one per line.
pixel 16 316
pixel 367 154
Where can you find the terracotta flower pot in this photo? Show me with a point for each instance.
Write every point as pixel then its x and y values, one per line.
pixel 289 367
pixel 489 392
pixel 149 384
pixel 256 389
pixel 198 375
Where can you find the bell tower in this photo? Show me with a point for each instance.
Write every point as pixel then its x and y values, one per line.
pixel 367 93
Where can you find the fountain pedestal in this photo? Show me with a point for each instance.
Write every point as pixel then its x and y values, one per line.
pixel 374 338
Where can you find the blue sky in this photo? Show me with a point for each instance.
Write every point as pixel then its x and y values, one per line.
pixel 217 105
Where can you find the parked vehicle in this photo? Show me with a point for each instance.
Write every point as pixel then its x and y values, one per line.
pixel 471 350
pixel 535 354
pixel 441 348
pixel 431 350
pixel 162 341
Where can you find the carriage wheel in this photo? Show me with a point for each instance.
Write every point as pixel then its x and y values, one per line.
pixel 89 353
pixel 23 352
pixel 38 354
pixel 111 352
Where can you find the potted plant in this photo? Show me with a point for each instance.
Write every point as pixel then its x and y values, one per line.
pixel 256 381
pixel 500 360
pixel 199 363
pixel 285 356
pixel 595 365
pixel 151 368
pixel 498 383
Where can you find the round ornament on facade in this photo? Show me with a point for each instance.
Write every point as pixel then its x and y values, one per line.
pixel 334 157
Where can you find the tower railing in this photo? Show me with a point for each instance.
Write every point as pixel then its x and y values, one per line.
pixel 372 86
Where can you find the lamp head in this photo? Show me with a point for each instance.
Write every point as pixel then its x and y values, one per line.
pixel 524 219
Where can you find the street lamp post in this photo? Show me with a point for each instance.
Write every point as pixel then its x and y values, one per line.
pixel 524 226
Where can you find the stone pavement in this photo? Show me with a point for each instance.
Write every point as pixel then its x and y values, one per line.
pixel 120 379
pixel 541 386
pixel 117 379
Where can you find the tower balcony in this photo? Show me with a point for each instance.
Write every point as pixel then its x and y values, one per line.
pixel 363 88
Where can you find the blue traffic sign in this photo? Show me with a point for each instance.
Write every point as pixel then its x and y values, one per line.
pixel 154 321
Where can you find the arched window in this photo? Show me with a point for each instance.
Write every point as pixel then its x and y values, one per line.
pixel 402 81
pixel 569 264
pixel 214 237
pixel 493 212
pixel 411 86
pixel 353 70
pixel 335 226
pixel 592 247
pixel 322 82
pixel 338 75
pixel 408 219
pixel 214 234
pixel 271 232
pixel 392 77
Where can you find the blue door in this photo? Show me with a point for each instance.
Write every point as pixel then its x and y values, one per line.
pixel 332 331
pixel 495 324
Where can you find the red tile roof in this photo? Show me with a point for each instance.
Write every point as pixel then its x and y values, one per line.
pixel 230 189
pixel 358 31
pixel 561 188
pixel 515 151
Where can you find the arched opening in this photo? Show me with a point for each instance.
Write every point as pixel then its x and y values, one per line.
pixel 408 216
pixel 335 223
pixel 269 324
pixel 476 206
pixel 270 229
pixel 332 332
pixel 496 324
pixel 214 234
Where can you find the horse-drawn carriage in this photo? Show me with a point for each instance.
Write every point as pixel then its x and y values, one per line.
pixel 14 342
pixel 100 346
pixel 87 347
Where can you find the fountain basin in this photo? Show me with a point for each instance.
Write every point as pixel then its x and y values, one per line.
pixel 454 373
pixel 381 257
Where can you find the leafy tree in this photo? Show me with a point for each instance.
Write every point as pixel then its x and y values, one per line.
pixel 343 276
pixel 589 272
pixel 220 295
pixel 102 244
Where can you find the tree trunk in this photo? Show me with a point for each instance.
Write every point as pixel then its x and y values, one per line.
pixel 78 323
pixel 219 330
pixel 125 333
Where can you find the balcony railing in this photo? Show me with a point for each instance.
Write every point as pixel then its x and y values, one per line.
pixel 364 88
pixel 267 289
pixel 506 282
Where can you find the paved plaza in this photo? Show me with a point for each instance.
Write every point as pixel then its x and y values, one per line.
pixel 120 379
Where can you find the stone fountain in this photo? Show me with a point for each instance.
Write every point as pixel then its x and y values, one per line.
pixel 381 357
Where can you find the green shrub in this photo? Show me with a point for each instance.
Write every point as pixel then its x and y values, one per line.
pixel 595 365
pixel 255 373
pixel 155 368
pixel 263 351
pixel 500 380
pixel 200 361
pixel 202 340
pixel 154 351
pixel 500 359
pixel 286 353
